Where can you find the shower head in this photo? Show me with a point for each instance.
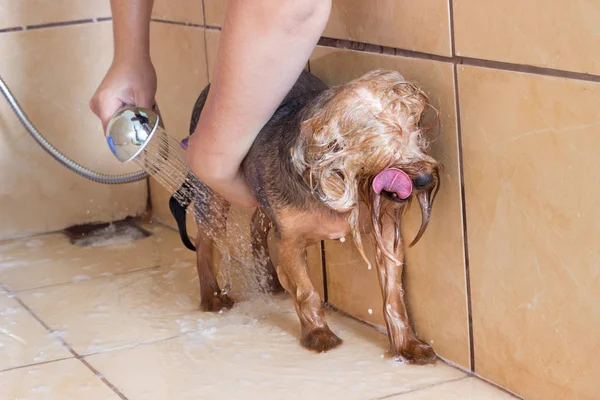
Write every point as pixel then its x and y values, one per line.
pixel 129 131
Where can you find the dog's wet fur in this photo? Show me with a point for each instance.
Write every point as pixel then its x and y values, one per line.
pixel 282 175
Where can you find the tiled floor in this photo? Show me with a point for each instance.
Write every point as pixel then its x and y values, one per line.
pixel 120 321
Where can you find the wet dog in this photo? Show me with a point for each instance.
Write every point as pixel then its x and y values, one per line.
pixel 330 161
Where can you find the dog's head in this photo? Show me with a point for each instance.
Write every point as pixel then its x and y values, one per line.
pixel 363 141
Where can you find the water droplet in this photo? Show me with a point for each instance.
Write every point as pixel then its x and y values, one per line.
pixel 79 278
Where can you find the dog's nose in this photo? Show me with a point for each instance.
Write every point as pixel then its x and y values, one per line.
pixel 423 180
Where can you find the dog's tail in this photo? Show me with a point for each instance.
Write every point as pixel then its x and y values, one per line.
pixel 179 210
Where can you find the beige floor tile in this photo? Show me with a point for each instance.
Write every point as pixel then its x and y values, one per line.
pixel 143 306
pixel 105 313
pixel 51 259
pixel 464 389
pixel 23 340
pixel 169 247
pixel 67 379
pixel 253 352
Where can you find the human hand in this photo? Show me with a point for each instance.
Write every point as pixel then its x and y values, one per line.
pixel 127 83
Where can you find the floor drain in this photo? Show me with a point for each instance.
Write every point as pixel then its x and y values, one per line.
pixel 107 234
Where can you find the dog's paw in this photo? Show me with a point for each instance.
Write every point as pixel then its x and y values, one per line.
pixel 320 340
pixel 417 352
pixel 216 303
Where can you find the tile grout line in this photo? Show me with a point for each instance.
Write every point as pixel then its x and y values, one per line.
pixel 422 388
pixel 203 13
pixel 466 261
pixel 35 364
pixel 205 44
pixel 497 386
pixel 55 24
pixel 455 59
pixel 102 378
pixel 324 270
pixel 370 48
pixel 68 346
pixel 189 24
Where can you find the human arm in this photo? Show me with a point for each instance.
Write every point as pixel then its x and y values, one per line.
pixel 131 79
pixel 264 46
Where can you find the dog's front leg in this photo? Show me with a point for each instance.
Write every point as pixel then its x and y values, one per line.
pixel 293 275
pixel 403 341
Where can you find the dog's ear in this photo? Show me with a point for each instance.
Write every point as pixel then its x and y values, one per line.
pixel 179 212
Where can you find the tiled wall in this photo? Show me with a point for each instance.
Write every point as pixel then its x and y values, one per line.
pixel 505 282
pixel 52 56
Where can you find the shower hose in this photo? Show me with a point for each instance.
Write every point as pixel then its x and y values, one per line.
pixel 60 157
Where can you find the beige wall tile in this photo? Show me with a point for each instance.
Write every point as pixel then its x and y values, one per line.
pixel 212 48
pixel 179 10
pixel 36 12
pixel 215 12
pixel 435 277
pixel 530 148
pixel 413 25
pixel 178 54
pixel 67 379
pixel 557 34
pixel 53 74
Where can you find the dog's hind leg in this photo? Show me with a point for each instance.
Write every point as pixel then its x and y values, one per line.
pixel 293 275
pixel 259 232
pixel 403 341
pixel 211 298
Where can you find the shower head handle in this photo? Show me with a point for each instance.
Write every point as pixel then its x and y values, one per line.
pixel 129 130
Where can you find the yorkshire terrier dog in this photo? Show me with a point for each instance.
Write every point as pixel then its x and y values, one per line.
pixel 330 162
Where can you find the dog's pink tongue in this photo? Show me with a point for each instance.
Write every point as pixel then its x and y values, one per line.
pixel 393 180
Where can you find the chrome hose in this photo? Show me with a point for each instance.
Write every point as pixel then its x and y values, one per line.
pixel 60 157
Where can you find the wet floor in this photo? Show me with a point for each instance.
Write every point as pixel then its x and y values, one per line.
pixel 118 318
